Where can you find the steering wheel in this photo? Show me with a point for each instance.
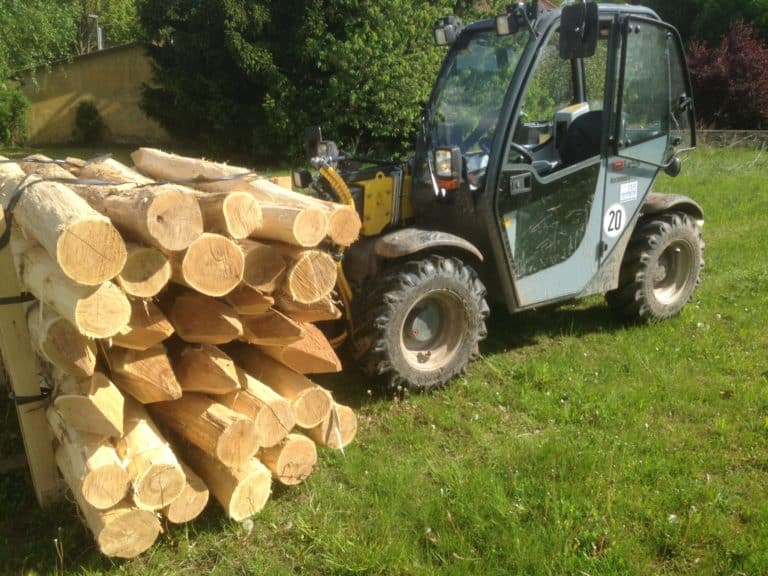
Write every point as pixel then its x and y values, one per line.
pixel 523 151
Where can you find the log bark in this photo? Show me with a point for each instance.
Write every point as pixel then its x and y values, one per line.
pixel 230 437
pixel 311 274
pixel 319 311
pixel 147 327
pixel 234 214
pixel 192 500
pixel 205 368
pixel 144 374
pixel 271 328
pixel 242 491
pixel 146 272
pixel 273 415
pixel 265 267
pixel 97 473
pixel 56 340
pixel 343 228
pixel 203 320
pixel 313 354
pixel 122 531
pixel 212 265
pixel 298 226
pixel 84 244
pixel 166 217
pixel 44 167
pixel 96 311
pixel 292 460
pixel 337 430
pixel 249 302
pixel 156 476
pixel 110 170
pixel 91 406
pixel 311 403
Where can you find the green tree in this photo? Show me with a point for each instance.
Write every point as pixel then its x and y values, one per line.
pixel 118 19
pixel 249 75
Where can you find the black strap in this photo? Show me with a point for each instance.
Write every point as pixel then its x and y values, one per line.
pixel 20 299
pixel 45 393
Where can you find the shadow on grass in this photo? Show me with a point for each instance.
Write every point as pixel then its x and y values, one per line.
pixel 506 332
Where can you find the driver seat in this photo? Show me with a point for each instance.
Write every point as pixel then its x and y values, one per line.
pixel 583 138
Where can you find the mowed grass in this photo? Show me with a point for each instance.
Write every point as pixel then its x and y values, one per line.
pixel 577 445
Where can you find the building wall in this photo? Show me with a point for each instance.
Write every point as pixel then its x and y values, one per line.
pixel 111 79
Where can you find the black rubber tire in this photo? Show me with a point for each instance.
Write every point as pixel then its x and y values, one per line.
pixel 661 268
pixel 379 336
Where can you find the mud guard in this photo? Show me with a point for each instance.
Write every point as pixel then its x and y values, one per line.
pixel 409 241
pixel 657 202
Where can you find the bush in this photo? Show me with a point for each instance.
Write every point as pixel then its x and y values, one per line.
pixel 89 127
pixel 13 116
pixel 730 82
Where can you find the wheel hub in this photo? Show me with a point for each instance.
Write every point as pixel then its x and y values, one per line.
pixel 434 330
pixel 672 272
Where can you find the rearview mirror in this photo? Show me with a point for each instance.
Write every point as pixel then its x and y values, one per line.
pixel 579 26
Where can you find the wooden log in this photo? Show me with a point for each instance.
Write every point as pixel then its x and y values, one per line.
pixel 311 403
pixel 204 368
pixel 90 406
pixel 227 435
pixel 265 267
pixel 343 228
pixel 337 430
pixel 203 320
pixel 157 478
pixel 58 341
pixel 85 245
pixel 313 354
pixel 319 311
pixel 249 302
pixel 166 217
pixel 43 166
pixel 192 500
pixel 144 374
pixel 234 214
pixel 97 473
pixel 147 327
pixel 146 272
pixel 292 460
pixel 96 311
pixel 311 274
pixel 213 265
pixel 122 531
pixel 110 170
pixel 242 491
pixel 272 414
pixel 271 328
pixel 294 225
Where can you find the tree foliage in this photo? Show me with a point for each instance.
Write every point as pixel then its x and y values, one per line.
pixel 249 75
pixel 730 81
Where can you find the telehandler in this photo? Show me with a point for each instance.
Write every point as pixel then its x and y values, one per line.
pixel 531 178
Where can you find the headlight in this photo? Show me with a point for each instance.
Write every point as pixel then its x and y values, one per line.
pixel 448 164
pixel 443 163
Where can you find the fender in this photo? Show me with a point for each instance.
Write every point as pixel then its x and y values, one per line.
pixel 409 241
pixel 657 202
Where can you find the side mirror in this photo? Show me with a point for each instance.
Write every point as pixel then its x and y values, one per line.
pixel 673 167
pixel 579 27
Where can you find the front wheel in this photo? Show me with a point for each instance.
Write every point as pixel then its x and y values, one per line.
pixel 661 268
pixel 421 323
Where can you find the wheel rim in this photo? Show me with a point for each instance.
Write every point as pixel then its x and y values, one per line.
pixel 433 331
pixel 673 272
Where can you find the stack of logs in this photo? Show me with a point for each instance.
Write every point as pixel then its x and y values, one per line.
pixel 175 325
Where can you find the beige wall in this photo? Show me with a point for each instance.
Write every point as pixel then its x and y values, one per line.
pixel 111 79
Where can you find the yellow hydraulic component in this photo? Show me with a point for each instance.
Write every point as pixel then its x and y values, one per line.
pixel 377 203
pixel 338 184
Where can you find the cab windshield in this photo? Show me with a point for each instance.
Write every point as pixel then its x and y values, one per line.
pixel 465 108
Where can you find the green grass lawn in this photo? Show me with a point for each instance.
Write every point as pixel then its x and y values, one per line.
pixel 576 445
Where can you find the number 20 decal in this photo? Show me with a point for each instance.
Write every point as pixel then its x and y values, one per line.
pixel 614 221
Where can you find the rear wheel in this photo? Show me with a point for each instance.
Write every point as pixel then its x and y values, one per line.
pixel 661 268
pixel 421 323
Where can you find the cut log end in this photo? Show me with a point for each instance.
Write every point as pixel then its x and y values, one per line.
pixel 105 487
pixel 337 430
pixel 128 533
pixel 292 461
pixel 174 220
pixel 311 277
pixel 91 251
pixel 312 406
pixel 192 500
pixel 237 443
pixel 344 226
pixel 252 492
pixel 146 272
pixel 159 486
pixel 103 313
pixel 213 265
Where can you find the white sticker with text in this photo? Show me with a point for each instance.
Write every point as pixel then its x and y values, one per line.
pixel 628 192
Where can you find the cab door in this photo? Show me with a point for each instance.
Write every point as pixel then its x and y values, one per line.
pixel 654 120
pixel 549 201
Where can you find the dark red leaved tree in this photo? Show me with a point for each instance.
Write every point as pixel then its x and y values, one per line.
pixel 730 82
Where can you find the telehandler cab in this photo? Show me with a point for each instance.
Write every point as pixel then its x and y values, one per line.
pixel 531 177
